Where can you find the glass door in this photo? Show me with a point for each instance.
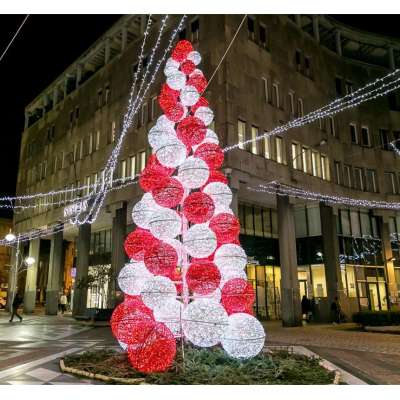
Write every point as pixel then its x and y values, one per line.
pixel 373 296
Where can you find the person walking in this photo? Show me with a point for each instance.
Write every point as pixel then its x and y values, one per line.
pixel 305 307
pixel 336 311
pixel 63 303
pixel 15 305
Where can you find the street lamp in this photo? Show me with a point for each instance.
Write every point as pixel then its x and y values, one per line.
pixel 10 237
pixel 29 261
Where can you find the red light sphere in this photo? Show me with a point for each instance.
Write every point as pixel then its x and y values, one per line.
pixel 175 112
pixel 203 277
pixel 156 353
pixel 152 176
pixel 202 102
pixel 169 193
pixel 211 153
pixel 181 50
pixel 133 327
pixel 238 296
pixel 161 259
pixel 191 131
pixel 198 207
pixel 137 242
pixel 153 160
pixel 187 67
pixel 168 97
pixel 226 227
pixel 197 80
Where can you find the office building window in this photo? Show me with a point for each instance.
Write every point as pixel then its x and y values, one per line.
pixel 123 173
pixel 332 128
pixel 296 155
pixel 241 133
pixel 267 146
pixel 263 35
pixel 353 134
pixel 112 132
pixel 338 173
pixel 347 175
pixel 195 28
pixel 90 139
pixel 251 28
pixel 87 184
pixel 142 159
pixel 358 179
pixel 384 139
pixel 306 159
pixel 325 168
pixel 81 149
pixel 300 107
pixel 153 107
pixel 97 141
pixel 291 103
pixel 143 116
pixel 99 98
pixel 370 178
pixel 275 95
pixel 390 183
pixel 279 150
pixel 132 164
pixel 254 134
pixel 107 95
pixel 348 87
pixel 316 163
pixel 297 58
pixel 365 139
pixel 265 89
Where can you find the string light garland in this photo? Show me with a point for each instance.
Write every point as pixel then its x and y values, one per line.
pixel 182 219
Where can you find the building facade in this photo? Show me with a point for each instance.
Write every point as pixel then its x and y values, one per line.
pixel 279 67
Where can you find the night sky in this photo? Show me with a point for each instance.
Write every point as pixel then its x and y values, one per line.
pixel 47 44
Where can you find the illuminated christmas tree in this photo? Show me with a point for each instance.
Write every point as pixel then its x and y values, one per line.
pixel 186 278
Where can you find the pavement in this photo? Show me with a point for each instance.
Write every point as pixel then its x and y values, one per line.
pixel 30 350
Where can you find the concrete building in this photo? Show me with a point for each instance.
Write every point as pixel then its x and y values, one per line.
pixel 279 67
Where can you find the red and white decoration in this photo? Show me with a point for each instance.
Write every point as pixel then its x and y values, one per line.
pixel 186 276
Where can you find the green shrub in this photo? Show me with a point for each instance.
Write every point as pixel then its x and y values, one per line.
pixel 377 318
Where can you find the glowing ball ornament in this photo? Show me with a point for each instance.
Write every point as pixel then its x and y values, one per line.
pixel 216 176
pixel 151 176
pixel 202 102
pixel 226 227
pixel 211 153
pixel 157 290
pixel 158 136
pixel 171 66
pixel 168 193
pixel 136 243
pixel 198 207
pixel 131 328
pixel 156 353
pixel 197 80
pixel 176 80
pixel 195 57
pixel 213 296
pixel 238 296
pixel 178 247
pixel 189 96
pixel 175 112
pixel 182 50
pixel 204 322
pixel 219 192
pixel 205 114
pixel 164 123
pixel 228 274
pixel 187 67
pixel 171 152
pixel 203 277
pixel 200 241
pixel 230 257
pixel 193 173
pixel 170 314
pixel 191 131
pixel 132 277
pixel 161 259
pixel 165 223
pixel 243 337
pixel 143 211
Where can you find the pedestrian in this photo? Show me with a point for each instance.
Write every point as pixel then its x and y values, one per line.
pixel 63 303
pixel 336 311
pixel 305 307
pixel 15 305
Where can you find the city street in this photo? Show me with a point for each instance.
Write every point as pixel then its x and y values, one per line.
pixel 30 351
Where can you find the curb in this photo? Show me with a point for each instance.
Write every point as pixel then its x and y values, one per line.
pixel 104 378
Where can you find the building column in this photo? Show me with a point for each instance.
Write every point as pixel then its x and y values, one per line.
pixel 55 267
pixel 338 40
pixel 290 291
pixel 388 259
pixel 118 257
pixel 12 278
pixel 31 277
pixel 334 284
pixel 392 64
pixel 315 22
pixel 82 268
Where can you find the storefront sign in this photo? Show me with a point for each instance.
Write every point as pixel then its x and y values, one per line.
pixel 75 208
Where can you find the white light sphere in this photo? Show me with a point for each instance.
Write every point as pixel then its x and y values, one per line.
pixel 230 257
pixel 132 277
pixel 164 122
pixel 214 296
pixel 205 114
pixel 143 211
pixel 220 193
pixel 176 80
pixel 243 337
pixel 171 67
pixel 189 96
pixel 204 322
pixel 171 153
pixel 178 247
pixel 157 290
pixel 211 137
pixel 199 241
pixel 171 314
pixel 165 223
pixel 193 172
pixel 195 57
pixel 230 273
pixel 159 135
pixel 222 209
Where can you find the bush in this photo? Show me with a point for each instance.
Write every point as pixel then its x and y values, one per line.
pixel 377 318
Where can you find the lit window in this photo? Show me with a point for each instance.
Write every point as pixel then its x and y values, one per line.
pixel 123 170
pixel 254 134
pixel 153 107
pixel 316 163
pixel 279 149
pixel 291 103
pixel 241 133
pixel 332 126
pixel 306 154
pixel 338 179
pixel 296 153
pixel 267 146
pixel 347 175
pixel 275 95
pixel 108 93
pixel 132 163
pixel 358 179
pixel 142 158
pixel 325 168
pixel 97 145
pixel 265 89
pixel 300 108
pixel 370 175
pixel 144 114
pixel 90 143
pixel 113 129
